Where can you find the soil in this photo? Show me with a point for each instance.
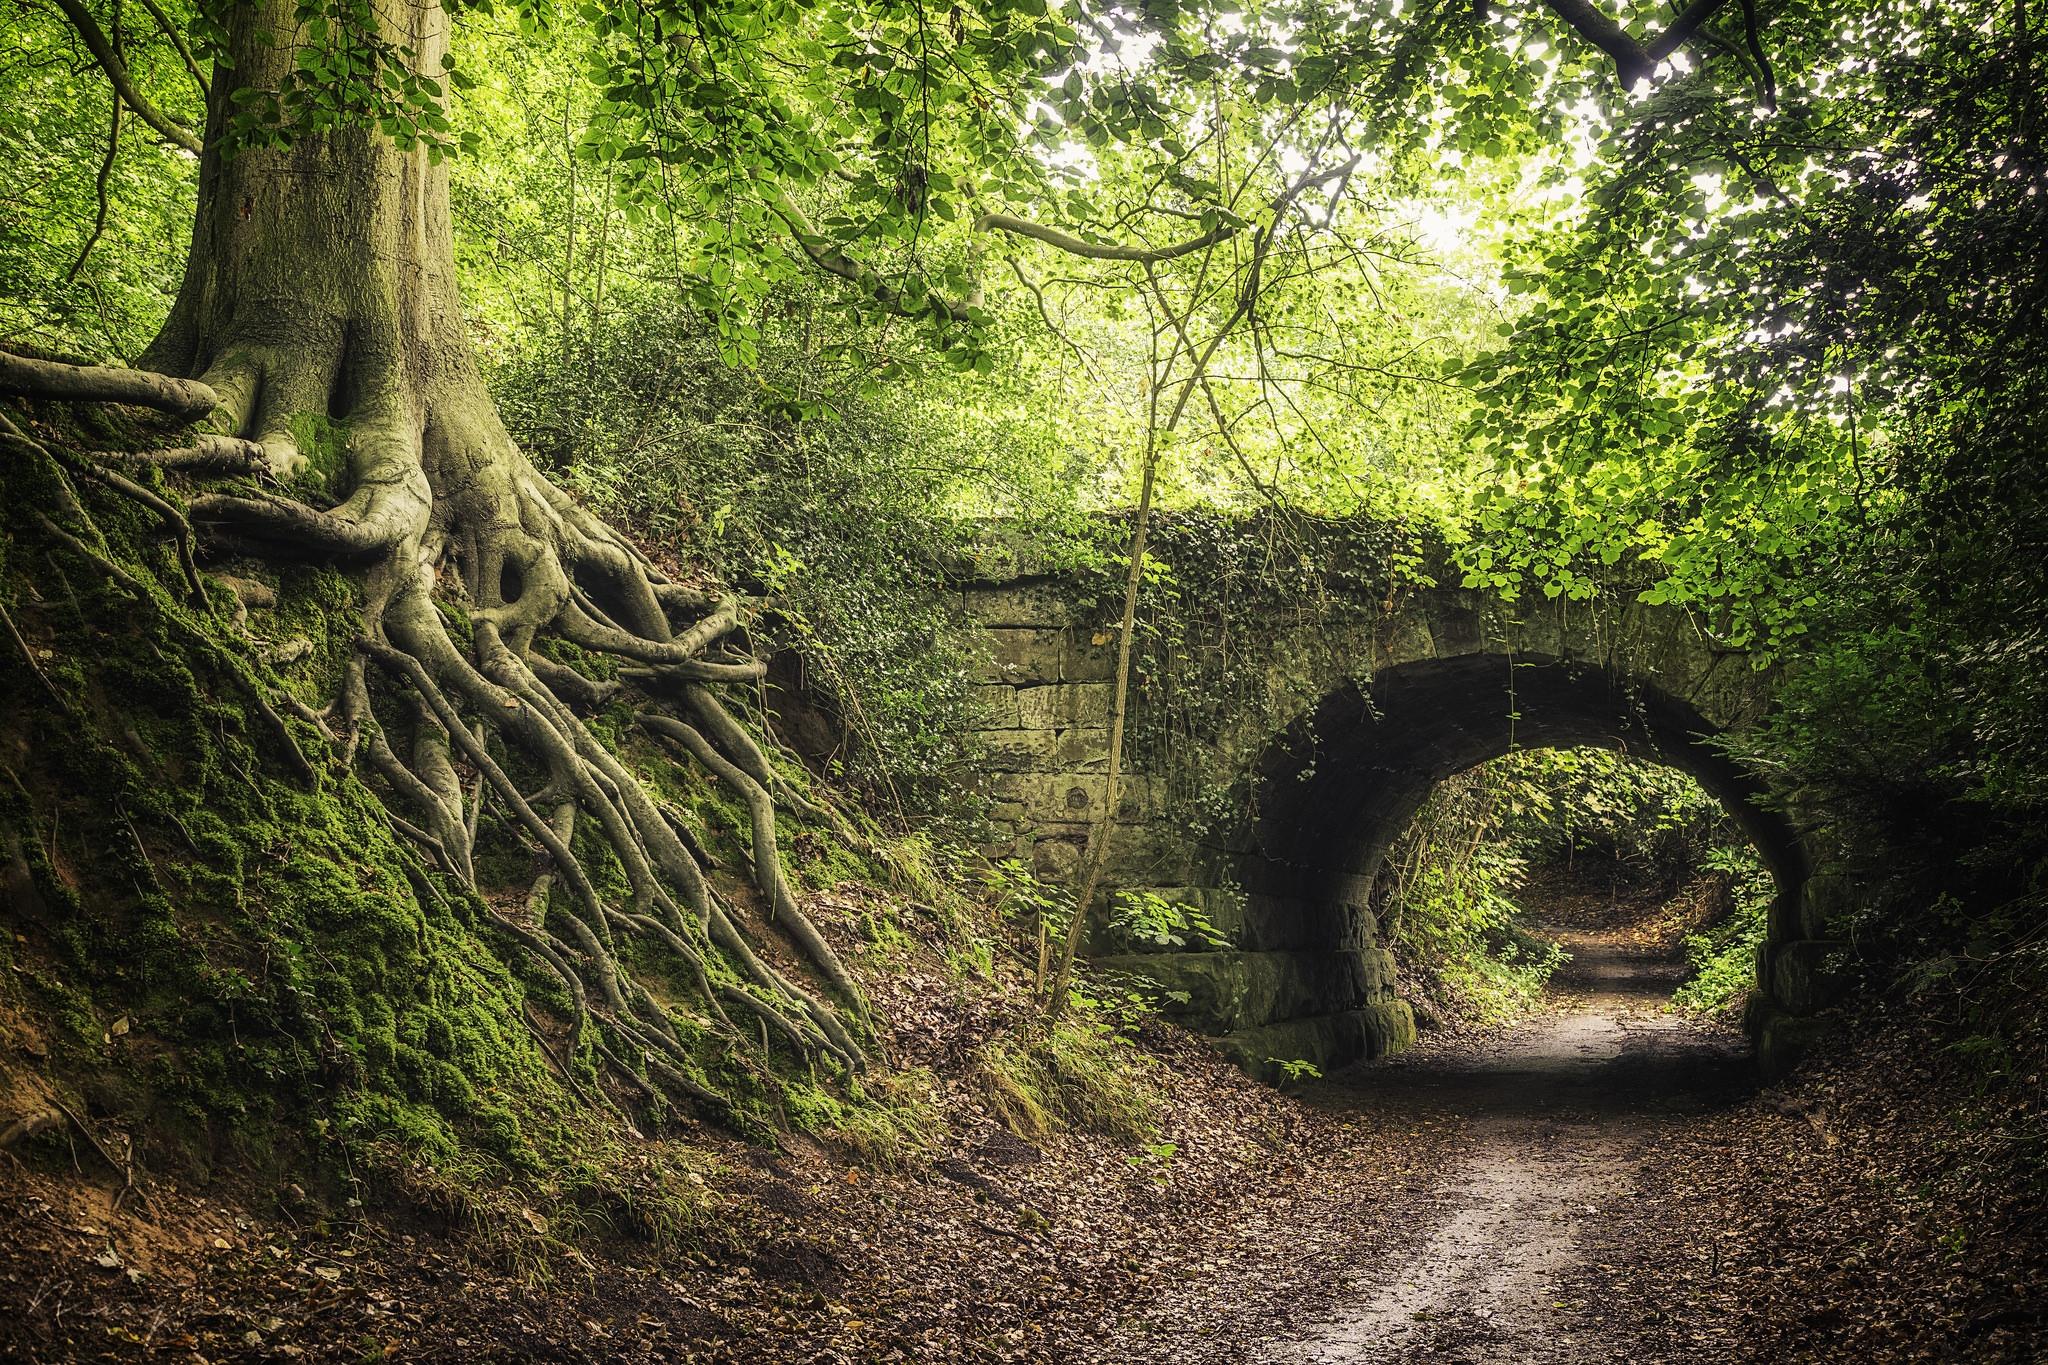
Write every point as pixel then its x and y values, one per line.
pixel 1559 1116
pixel 1601 1182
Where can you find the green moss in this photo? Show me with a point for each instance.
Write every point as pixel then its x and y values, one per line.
pixel 320 607
pixel 826 860
pixel 299 987
pixel 1078 1074
pixel 889 1120
pixel 266 941
pixel 602 667
pixel 324 443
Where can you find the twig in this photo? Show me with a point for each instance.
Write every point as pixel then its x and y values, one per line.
pixel 29 657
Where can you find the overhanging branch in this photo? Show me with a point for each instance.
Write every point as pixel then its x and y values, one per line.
pixel 830 258
pixel 1633 61
pixel 177 40
pixel 1075 246
pixel 95 40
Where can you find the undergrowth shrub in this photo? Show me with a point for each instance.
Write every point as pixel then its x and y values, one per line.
pixel 1448 909
pixel 1650 822
pixel 889 1120
pixel 847 503
pixel 1454 890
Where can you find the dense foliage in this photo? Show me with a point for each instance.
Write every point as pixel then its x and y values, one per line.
pixel 1747 322
pixel 1803 342
pixel 1470 894
pixel 1451 907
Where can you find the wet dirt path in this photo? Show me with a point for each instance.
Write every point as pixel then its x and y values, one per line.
pixel 1559 1114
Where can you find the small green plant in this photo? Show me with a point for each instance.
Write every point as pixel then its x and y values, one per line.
pixel 1030 904
pixel 1294 1070
pixel 1451 917
pixel 890 1120
pixel 1077 1074
pixel 1159 1156
pixel 1018 891
pixel 1721 961
pixel 1148 919
pixel 1122 1000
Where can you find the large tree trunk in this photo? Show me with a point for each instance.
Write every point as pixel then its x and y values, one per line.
pixel 321 285
pixel 320 308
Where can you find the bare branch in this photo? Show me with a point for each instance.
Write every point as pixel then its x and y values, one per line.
pixel 170 31
pixel 100 183
pixel 1753 36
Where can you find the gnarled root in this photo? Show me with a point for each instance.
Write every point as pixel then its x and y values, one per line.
pixel 441 511
pixel 24 377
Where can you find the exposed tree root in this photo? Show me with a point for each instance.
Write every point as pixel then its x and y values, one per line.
pixel 205 455
pixel 448 525
pixel 21 376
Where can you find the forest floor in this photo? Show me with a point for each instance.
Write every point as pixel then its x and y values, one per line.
pixel 1614 1185
pixel 1556 1119
pixel 1601 1182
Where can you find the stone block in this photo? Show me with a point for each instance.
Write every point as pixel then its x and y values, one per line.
pixel 1230 990
pixel 1275 920
pixel 1455 625
pixel 1004 843
pixel 1328 1041
pixel 1057 706
pixel 1002 558
pixel 1064 797
pixel 1026 605
pixel 1020 751
pixel 1056 859
pixel 995 706
pixel 1536 631
pixel 1782 1038
pixel 1800 979
pixel 1827 898
pixel 1147 854
pixel 1403 637
pixel 1090 655
pixel 1354 889
pixel 1083 749
pixel 1727 692
pixel 1019 655
pixel 1270 876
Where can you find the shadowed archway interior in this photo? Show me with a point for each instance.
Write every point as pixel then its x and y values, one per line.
pixel 1336 788
pixel 1340 784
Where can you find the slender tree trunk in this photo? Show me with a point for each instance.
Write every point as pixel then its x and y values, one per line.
pixel 568 219
pixel 1105 827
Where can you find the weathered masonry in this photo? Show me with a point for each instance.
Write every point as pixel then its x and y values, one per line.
pixel 1278 751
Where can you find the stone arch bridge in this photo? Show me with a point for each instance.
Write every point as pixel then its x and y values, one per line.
pixel 1273 817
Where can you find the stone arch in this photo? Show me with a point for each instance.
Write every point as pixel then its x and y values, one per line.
pixel 1334 789
pixel 1268 819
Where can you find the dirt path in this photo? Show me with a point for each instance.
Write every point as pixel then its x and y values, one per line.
pixel 1560 1115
